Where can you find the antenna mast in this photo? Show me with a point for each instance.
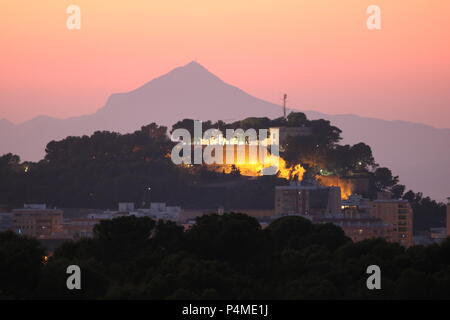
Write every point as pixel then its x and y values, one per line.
pixel 284 105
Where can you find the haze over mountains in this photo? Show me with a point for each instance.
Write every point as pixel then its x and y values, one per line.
pixel 418 153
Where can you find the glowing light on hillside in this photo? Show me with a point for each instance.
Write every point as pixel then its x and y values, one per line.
pixel 252 168
pixel 334 181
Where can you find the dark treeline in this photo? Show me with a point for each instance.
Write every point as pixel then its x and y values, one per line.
pixel 100 170
pixel 106 168
pixel 222 257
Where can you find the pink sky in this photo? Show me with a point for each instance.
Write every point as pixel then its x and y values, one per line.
pixel 319 52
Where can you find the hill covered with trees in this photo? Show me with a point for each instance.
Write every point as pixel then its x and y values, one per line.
pixel 100 170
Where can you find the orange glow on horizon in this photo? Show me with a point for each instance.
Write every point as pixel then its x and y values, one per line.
pixel 265 47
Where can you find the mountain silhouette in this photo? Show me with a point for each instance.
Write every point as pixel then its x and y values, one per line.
pixel 420 154
pixel 191 92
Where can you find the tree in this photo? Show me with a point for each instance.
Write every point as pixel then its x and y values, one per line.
pixel 290 232
pixel 21 259
pixel 232 237
pixel 383 179
pixel 361 156
pixel 427 212
pixel 328 235
pixel 119 237
pixel 397 191
pixel 296 119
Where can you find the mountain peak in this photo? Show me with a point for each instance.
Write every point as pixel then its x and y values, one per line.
pixel 194 68
pixel 191 74
pixel 194 64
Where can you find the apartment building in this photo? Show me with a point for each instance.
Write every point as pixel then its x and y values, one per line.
pixel 399 215
pixel 307 199
pixel 37 221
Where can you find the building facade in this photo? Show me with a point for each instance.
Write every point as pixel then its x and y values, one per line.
pixel 37 221
pixel 307 199
pixel 359 218
pixel 80 228
pixel 285 132
pixel 5 221
pixel 360 228
pixel 399 215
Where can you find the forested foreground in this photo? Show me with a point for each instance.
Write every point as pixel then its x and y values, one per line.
pixel 222 257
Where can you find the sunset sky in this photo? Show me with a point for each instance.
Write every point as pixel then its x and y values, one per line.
pixel 320 52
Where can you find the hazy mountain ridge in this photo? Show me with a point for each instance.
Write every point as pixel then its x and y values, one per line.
pixel 419 153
